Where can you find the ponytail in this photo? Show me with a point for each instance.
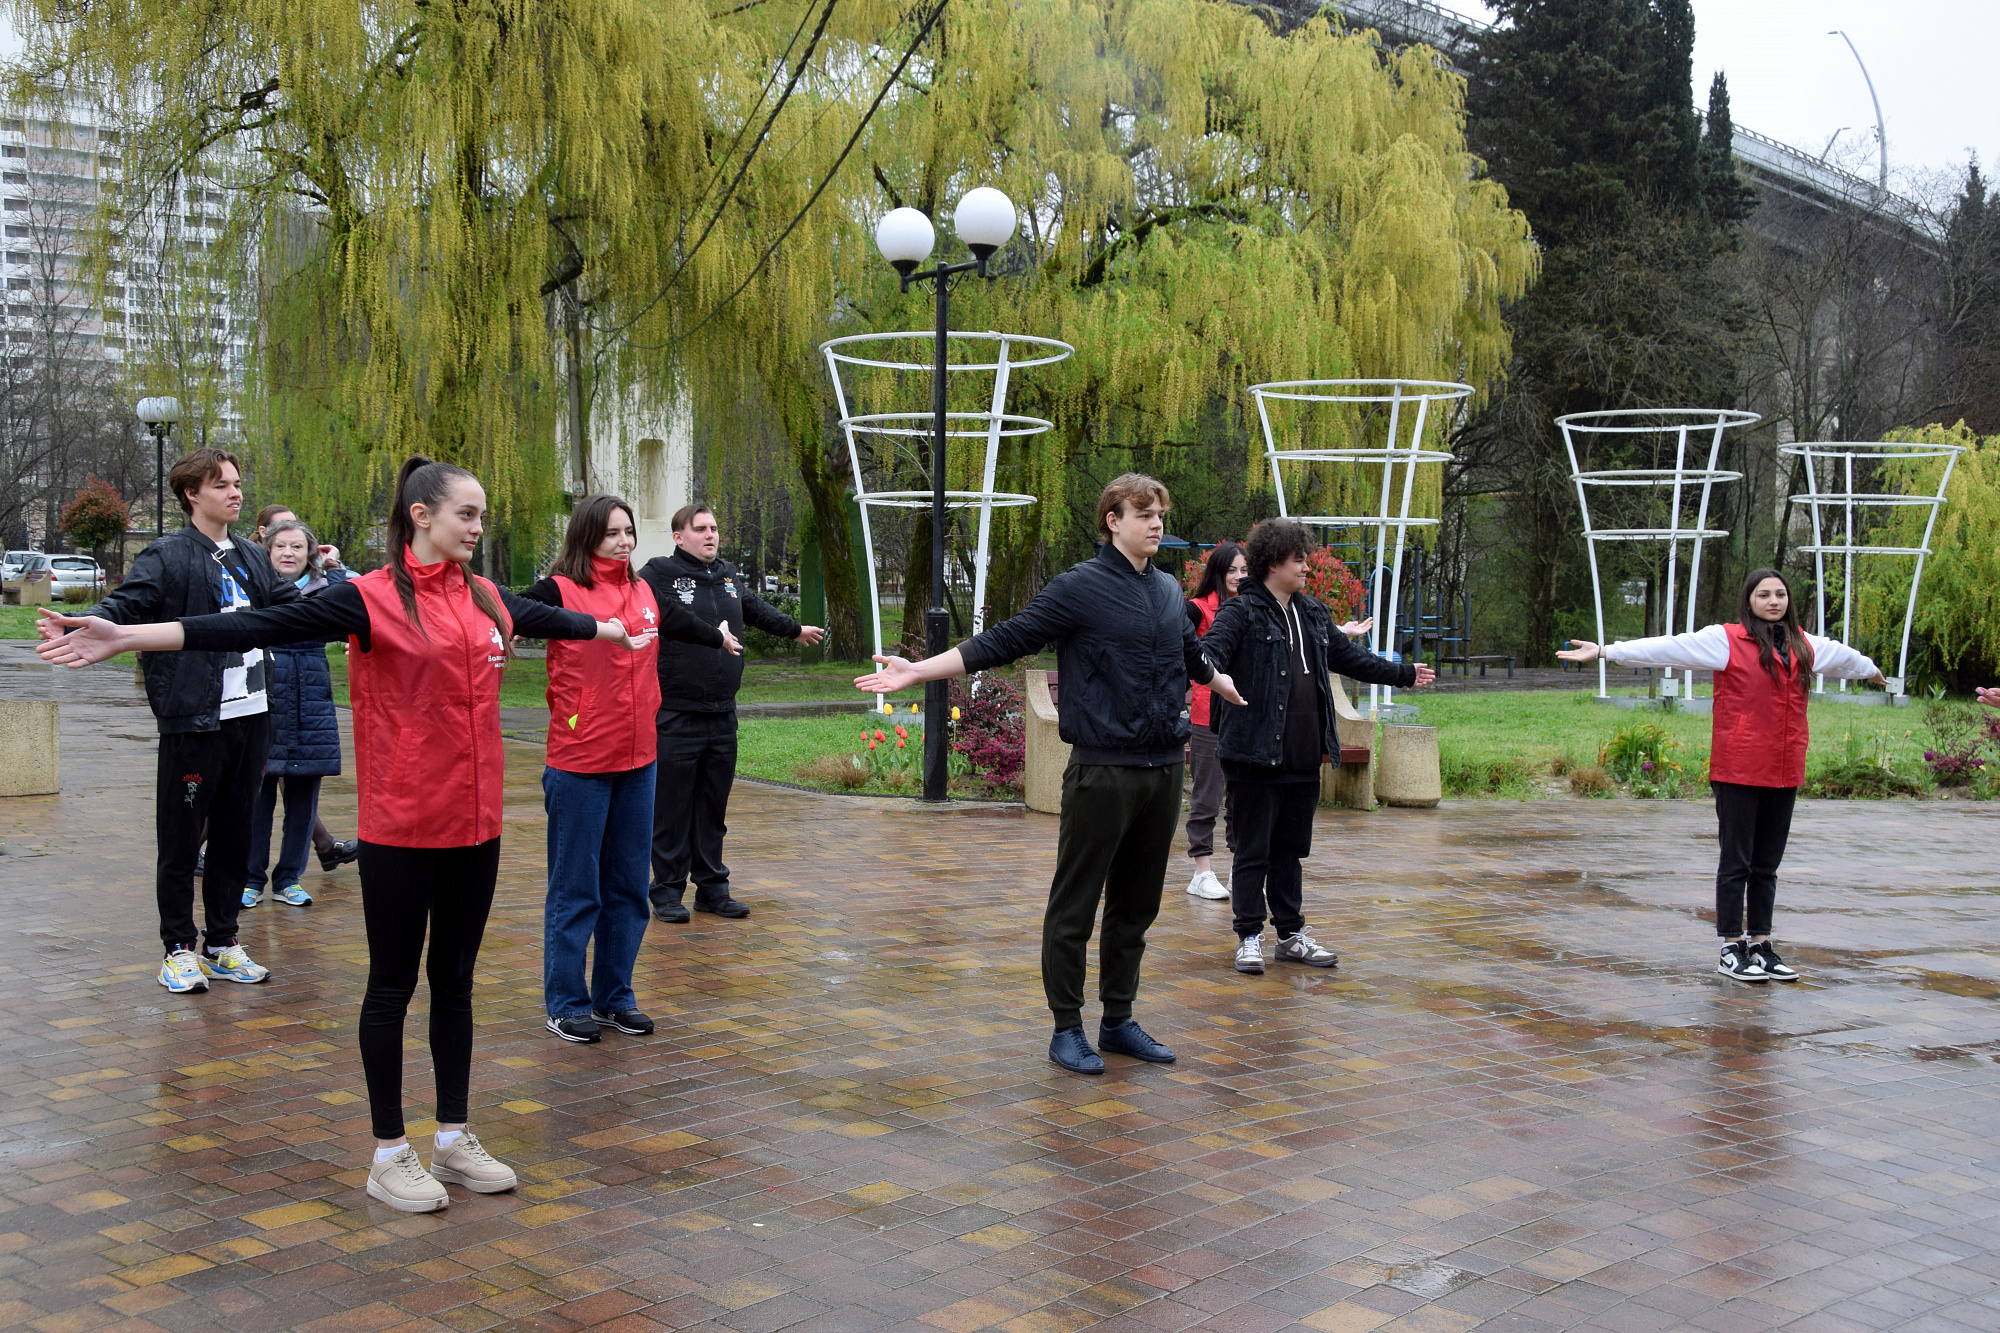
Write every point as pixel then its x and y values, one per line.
pixel 427 483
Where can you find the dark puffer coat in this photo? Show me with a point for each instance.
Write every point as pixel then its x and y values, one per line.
pixel 305 733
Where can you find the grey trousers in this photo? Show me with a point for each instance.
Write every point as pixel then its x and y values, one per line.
pixel 1211 793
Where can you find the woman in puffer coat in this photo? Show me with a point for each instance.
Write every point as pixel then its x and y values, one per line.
pixel 305 733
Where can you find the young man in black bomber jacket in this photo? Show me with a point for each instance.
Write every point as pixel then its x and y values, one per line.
pixel 1125 653
pixel 697 718
pixel 1281 644
pixel 212 712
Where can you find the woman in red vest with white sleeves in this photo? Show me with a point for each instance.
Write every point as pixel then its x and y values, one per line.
pixel 427 642
pixel 598 786
pixel 1763 665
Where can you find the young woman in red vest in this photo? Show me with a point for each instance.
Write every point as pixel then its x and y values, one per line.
pixel 1763 665
pixel 598 786
pixel 427 642
pixel 1225 569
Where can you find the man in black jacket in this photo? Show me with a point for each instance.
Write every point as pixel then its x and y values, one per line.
pixel 1281 644
pixel 1124 654
pixel 697 719
pixel 211 710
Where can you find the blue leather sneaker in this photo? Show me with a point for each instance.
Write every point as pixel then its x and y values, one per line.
pixel 1128 1038
pixel 1069 1049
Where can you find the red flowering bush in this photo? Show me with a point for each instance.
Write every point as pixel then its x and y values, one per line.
pixel 1333 585
pixel 988 729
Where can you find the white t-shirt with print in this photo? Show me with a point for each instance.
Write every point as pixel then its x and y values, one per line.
pixel 242 686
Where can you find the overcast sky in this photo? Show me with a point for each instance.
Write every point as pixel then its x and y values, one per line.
pixel 1931 61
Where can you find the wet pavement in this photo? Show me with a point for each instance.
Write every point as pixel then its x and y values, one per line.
pixel 1522 1101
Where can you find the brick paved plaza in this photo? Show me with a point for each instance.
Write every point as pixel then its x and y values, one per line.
pixel 1522 1102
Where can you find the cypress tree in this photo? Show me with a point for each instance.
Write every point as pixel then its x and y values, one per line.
pixel 1583 110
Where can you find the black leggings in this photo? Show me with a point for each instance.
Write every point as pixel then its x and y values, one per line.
pixel 403 890
pixel 1754 823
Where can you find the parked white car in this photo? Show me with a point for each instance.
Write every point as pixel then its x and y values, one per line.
pixel 32 566
pixel 75 571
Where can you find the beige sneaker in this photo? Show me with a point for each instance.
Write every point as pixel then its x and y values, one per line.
pixel 403 1184
pixel 466 1163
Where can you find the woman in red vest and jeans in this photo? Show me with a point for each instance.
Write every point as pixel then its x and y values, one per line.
pixel 1763 666
pixel 427 642
pixel 598 786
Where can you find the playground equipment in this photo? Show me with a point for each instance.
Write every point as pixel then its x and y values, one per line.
pixel 1839 457
pixel 992 426
pixel 1408 406
pixel 1674 430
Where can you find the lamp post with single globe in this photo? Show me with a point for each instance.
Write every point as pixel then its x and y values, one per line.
pixel 160 416
pixel 985 222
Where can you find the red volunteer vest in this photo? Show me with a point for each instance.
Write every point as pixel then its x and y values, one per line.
pixel 427 754
pixel 1760 725
pixel 1198 702
pixel 602 696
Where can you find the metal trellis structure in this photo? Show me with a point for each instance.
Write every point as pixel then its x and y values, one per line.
pixel 1409 405
pixel 1682 428
pixel 1839 457
pixel 992 426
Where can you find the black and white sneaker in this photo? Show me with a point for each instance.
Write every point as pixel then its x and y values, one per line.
pixel 1739 963
pixel 1774 967
pixel 578 1028
pixel 628 1021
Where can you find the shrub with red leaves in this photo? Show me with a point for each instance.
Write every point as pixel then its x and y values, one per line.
pixel 989 730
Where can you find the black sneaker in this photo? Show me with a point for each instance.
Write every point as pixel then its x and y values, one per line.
pixel 580 1029
pixel 628 1021
pixel 342 854
pixel 1774 967
pixel 1739 963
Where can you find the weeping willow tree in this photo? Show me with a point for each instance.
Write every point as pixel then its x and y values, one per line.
pixel 1205 204
pixel 468 215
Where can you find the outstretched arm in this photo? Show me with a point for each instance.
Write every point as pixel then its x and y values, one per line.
pixel 895 673
pixel 1704 650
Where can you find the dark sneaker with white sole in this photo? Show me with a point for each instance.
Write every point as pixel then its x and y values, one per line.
pixel 580 1028
pixel 628 1021
pixel 1738 963
pixel 1774 967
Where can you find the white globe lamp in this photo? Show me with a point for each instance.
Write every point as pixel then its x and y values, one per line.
pixel 905 237
pixel 984 221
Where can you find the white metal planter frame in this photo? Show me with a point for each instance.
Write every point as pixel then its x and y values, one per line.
pixel 1839 458
pixel 992 426
pixel 1409 399
pixel 1685 426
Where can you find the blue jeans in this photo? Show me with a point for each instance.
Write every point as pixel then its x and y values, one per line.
pixel 301 808
pixel 600 827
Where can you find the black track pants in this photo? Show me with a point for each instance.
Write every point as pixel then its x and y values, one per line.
pixel 207 778
pixel 1754 823
pixel 403 891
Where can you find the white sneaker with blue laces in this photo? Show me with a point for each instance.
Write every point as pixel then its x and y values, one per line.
pixel 181 972
pixel 232 963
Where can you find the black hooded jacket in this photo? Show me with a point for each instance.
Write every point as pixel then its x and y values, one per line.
pixel 695 678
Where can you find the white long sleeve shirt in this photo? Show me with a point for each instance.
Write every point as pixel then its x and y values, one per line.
pixel 1708 650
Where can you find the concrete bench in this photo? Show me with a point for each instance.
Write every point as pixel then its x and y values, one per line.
pixel 1047 754
pixel 30 762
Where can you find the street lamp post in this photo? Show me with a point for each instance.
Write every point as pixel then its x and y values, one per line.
pixel 160 416
pixel 984 220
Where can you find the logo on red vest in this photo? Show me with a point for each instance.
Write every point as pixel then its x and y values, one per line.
pixel 498 658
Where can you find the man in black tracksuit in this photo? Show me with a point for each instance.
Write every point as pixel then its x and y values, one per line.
pixel 212 713
pixel 697 719
pixel 1125 653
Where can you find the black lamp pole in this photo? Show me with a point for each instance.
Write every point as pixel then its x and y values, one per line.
pixel 937 623
pixel 159 429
